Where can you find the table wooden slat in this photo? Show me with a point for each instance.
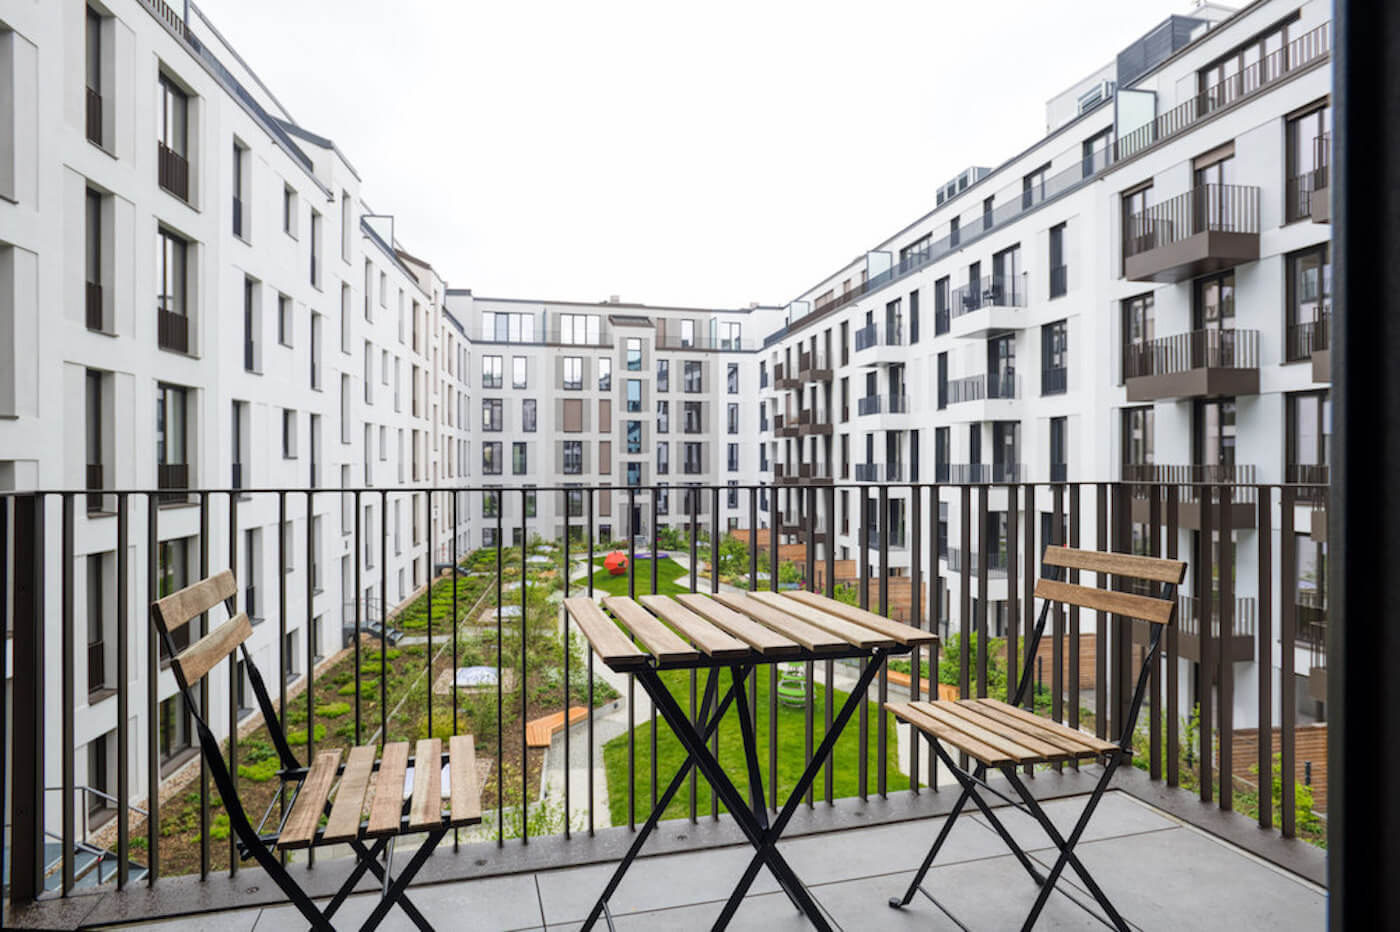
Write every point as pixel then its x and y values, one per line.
pixel 305 816
pixel 703 634
pixel 425 809
pixel 902 633
pixel 809 636
pixel 858 635
pixel 605 637
pixel 666 645
pixel 386 811
pixel 761 638
pixel 465 801
pixel 348 809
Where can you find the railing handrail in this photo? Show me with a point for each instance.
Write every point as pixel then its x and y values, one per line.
pixel 1208 348
pixel 1206 208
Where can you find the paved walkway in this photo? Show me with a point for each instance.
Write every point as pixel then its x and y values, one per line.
pixel 1159 873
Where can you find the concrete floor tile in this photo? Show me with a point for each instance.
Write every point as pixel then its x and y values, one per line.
pixel 998 894
pixel 864 904
pixel 491 903
pixel 1117 814
pixel 885 849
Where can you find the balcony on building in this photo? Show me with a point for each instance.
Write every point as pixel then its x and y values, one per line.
pixel 1238 647
pixel 980 473
pixel 988 307
pixel 982 397
pixel 1311 340
pixel 1210 228
pixel 1195 364
pixel 172 330
pixel 1308 194
pixel 785 378
pixel 785 425
pixel 874 336
pixel 173 171
pixel 809 422
pixel 996 561
pixel 813 366
pixel 882 404
pixel 880 472
pixel 1149 482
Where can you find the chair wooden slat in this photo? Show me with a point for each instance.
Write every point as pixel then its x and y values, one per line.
pixel 761 638
pixel 988 736
pixel 605 637
pixel 348 809
pixel 1118 564
pixel 425 809
pixel 1056 731
pixel 975 715
pixel 300 827
pixel 901 633
pixel 1146 608
pixel 465 792
pixel 192 663
pixel 951 736
pixel 703 634
pixel 666 645
pixel 178 608
pixel 809 636
pixel 386 811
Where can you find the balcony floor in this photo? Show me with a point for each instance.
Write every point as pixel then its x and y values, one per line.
pixel 1160 872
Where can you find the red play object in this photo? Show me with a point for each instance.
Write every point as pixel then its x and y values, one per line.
pixel 616 562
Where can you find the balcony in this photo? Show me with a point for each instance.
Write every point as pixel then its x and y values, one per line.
pixel 868 828
pixel 983 473
pixel 988 307
pixel 802 473
pixel 1197 364
pixel 784 425
pixel 94 116
pixel 996 561
pixel 1239 647
pixel 173 172
pixel 93 314
pixel 173 479
pixel 874 336
pixel 1311 340
pixel 1210 228
pixel 1191 481
pixel 813 367
pixel 810 423
pixel 981 397
pixel 1054 381
pixel 172 331
pixel 783 378
pixel 1312 480
pixel 1306 195
pixel 880 472
pixel 882 404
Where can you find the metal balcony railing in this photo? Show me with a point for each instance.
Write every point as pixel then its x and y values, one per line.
pixel 979 473
pixel 94 116
pixel 1059 281
pixel 92 307
pixel 1191 478
pixel 172 331
pixel 1312 479
pixel 1207 208
pixel 982 388
pixel 385 696
pixel 173 172
pixel 1304 338
pixel 1243 617
pixel 872 335
pixel 1196 349
pixel 989 291
pixel 174 479
pixel 1054 381
pixel 94 477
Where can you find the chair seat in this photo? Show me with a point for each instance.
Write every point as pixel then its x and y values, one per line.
pixel 384 788
pixel 998 734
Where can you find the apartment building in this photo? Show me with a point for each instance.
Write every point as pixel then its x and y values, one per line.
pixel 614 397
pixel 196 296
pixel 1142 294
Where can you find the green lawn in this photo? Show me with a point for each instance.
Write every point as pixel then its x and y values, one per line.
pixel 791 751
pixel 667 572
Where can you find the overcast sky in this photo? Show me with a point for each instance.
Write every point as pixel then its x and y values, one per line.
pixel 707 154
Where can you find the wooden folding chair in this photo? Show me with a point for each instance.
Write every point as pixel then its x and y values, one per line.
pixel 1006 736
pixel 393 811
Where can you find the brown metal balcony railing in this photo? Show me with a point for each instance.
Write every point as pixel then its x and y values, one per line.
pixel 94 482
pixel 1306 337
pixel 1242 621
pixel 39 549
pixel 1312 479
pixel 1196 349
pixel 94 116
pixel 92 309
pixel 173 479
pixel 173 172
pixel 96 666
pixel 172 331
pixel 1207 208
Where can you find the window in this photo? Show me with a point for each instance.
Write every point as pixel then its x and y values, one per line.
pixel 634 396
pixel 95 312
pixel 731 378
pixel 1059 449
pixel 172 297
pixel 172 127
pixel 634 354
pixel 580 329
pixel 663 417
pixel 490 371
pixel 1095 152
pixel 93 55
pixel 1241 70
pixel 347 220
pixel 176 726
pixel 941 454
pixel 732 456
pixel 987 212
pixel 663 375
pixel 573 415
pixel 491 458
pixel 289 211
pixel 284 320
pixel 1137 328
pixel 492 419
pixel 315 249
pixel 634 436
pixel 731 335
pixel 490 503
pixel 172 471
pixel 289 434
pixel 573 373
pixel 663 500
pixel 529 501
pixel 1138 234
pixel 252 319
pixel 1033 187
pixel 1059 275
pixel 1307 155
pixel 732 418
pixel 527 415
pixel 605 373
pixel 242 181
pixel 663 458
pixel 954 233
pixel 687 333
pixel 517 372
pixel 1309 301
pixel 1309 440
pixel 915 254
pixel 691 453
pixel 513 327
pixel 573 457
pixel 518 461
pixel 634 474
pixel 691 417
pixel 691 377
pixel 1054 358
pixel 1137 438
pixel 913 317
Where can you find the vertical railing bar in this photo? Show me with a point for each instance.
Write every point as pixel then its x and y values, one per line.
pixel 1173 649
pixel 1028 590
pixel 863 550
pixel 1072 676
pixel 124 700
pixel 1205 555
pixel 153 695
pixel 692 509
pixel 384 624
pixel 26 793
pixel 308 628
pixel 66 703
pixel 456 629
pixel 568 682
pixel 935 654
pixel 965 622
pixel 986 544
pixel 829 671
pixel 232 678
pixel 588 496
pixel 1226 646
pixel 524 666
pixel 916 612
pixel 773 519
pixel 631 679
pixel 282 658
pixel 204 852
pixel 1288 557
pixel 1013 646
pixel 1154 691
pixel 430 573
pixel 882 691
pixel 359 614
pixel 7 802
pixel 1264 661
pixel 810 571
pixel 714 587
pixel 1101 618
pixel 500 672
pixel 655 547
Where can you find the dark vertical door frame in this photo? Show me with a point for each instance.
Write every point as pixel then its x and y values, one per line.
pixel 1363 691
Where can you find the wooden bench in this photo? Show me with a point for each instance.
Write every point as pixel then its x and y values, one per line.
pixel 539 732
pixel 366 801
pixel 1005 736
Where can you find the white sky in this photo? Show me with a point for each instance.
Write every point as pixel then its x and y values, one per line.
pixel 706 154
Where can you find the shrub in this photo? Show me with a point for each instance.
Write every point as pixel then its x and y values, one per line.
pixel 333 709
pixel 259 772
pixel 218 830
pixel 299 736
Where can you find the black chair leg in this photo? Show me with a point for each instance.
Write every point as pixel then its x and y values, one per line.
pixel 898 902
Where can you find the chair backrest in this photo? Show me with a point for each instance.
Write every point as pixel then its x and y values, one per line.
pixel 1158 609
pixel 178 609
